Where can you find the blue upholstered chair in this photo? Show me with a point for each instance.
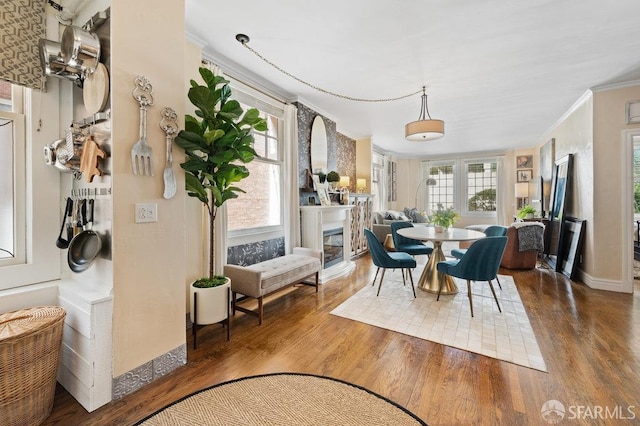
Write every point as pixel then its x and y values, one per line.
pixel 407 245
pixel 491 231
pixel 480 263
pixel 385 260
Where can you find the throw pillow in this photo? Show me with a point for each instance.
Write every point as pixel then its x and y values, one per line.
pixel 389 216
pixel 419 217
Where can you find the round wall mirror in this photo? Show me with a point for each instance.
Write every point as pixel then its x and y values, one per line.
pixel 318 146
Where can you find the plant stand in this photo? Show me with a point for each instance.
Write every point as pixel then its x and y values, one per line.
pixel 210 306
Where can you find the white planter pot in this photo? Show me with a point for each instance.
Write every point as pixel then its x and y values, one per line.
pixel 212 303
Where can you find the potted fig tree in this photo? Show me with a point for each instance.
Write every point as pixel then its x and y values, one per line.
pixel 217 143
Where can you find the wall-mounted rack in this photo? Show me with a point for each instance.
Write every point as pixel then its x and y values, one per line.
pixel 90 192
pixel 96 118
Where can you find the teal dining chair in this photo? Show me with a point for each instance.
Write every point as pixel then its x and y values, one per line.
pixel 491 231
pixel 386 260
pixel 408 245
pixel 480 263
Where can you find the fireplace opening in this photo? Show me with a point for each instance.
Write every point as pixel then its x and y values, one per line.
pixel 333 247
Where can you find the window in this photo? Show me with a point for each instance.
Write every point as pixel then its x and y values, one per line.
pixel 481 186
pixel 12 167
pixel 467 185
pixel 442 194
pixel 261 205
pixel 29 191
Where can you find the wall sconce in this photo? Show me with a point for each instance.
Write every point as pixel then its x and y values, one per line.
pixel 361 185
pixel 522 194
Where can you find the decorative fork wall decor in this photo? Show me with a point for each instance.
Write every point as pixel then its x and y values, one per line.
pixel 141 153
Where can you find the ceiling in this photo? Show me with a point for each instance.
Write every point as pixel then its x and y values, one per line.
pixel 500 73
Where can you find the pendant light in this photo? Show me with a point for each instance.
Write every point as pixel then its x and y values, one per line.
pixel 425 128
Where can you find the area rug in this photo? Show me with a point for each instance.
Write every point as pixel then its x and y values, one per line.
pixel 283 399
pixel 506 336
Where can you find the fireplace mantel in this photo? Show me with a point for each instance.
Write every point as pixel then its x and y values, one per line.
pixel 317 219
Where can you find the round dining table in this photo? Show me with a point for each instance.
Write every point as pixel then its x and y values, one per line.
pixel 430 279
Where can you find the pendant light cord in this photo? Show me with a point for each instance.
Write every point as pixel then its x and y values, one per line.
pixel 244 40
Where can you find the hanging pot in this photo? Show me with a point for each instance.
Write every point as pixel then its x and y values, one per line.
pixel 85 246
pixel 53 64
pixel 80 48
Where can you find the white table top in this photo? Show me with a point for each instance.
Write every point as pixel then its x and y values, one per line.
pixel 428 233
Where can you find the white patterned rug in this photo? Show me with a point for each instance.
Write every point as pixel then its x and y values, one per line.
pixel 506 336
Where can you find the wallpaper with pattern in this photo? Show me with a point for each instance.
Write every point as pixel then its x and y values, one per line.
pixel 22 27
pixel 341 151
pixel 249 254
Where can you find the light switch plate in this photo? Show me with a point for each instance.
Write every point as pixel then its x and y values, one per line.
pixel 146 212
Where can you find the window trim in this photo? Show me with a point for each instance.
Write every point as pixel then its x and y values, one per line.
pixel 465 210
pixel 250 97
pixel 41 191
pixel 460 182
pixel 20 231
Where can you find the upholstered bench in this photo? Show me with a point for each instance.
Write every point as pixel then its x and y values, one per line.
pixel 264 278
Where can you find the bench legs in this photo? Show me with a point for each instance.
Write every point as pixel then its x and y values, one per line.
pixel 260 312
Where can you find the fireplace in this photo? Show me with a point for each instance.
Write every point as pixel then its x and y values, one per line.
pixel 328 230
pixel 333 246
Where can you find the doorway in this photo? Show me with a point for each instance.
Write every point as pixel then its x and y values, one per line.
pixel 631 209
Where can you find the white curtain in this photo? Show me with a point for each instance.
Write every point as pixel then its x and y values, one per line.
pixel 220 236
pixel 220 247
pixel 290 173
pixel 501 193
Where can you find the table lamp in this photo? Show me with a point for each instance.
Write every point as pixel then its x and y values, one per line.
pixel 345 182
pixel 361 184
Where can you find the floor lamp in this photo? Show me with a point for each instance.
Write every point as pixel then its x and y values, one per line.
pixel 429 182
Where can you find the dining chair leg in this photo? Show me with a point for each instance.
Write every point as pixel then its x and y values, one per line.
pixel 469 295
pixel 381 279
pixel 499 285
pixel 404 281
pixel 376 276
pixel 413 287
pixel 494 296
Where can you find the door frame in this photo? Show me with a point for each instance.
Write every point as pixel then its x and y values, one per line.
pixel 627 210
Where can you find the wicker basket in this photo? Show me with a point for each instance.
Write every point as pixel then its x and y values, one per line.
pixel 30 342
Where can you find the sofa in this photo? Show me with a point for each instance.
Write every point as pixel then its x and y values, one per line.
pixel 382 220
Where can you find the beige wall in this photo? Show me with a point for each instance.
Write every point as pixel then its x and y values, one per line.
pixel 593 132
pixel 364 159
pixel 574 135
pixel 148 259
pixel 609 151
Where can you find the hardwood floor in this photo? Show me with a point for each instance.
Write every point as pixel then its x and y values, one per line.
pixel 590 341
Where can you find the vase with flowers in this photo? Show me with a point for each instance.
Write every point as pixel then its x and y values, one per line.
pixel 444 218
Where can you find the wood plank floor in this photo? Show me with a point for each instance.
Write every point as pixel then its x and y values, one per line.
pixel 590 341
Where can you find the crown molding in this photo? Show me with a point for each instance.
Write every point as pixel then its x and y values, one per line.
pixel 577 104
pixel 199 42
pixel 238 72
pixel 612 86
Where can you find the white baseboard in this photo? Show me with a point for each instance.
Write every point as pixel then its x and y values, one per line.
pixel 600 283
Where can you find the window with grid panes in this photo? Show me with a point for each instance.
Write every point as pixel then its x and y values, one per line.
pixel 481 185
pixel 442 194
pixel 261 204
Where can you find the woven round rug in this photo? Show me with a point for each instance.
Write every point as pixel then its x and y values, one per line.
pixel 283 399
